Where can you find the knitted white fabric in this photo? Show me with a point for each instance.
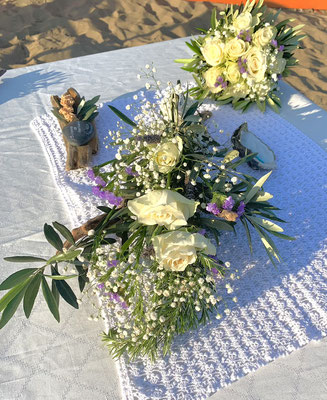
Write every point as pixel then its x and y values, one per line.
pixel 278 310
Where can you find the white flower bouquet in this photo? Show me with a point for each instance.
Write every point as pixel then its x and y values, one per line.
pixel 152 256
pixel 241 58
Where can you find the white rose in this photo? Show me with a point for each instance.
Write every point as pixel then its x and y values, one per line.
pixel 167 155
pixel 233 74
pixel 211 76
pixel 176 250
pixel 264 36
pixel 236 48
pixel 213 51
pixel 256 64
pixel 243 21
pixel 163 207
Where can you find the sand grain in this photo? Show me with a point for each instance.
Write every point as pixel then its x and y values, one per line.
pixel 37 31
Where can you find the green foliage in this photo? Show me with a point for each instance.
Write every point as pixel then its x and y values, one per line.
pixel 65 232
pixel 52 237
pixel 16 278
pixel 64 289
pixel 255 189
pixel 122 116
pixel 23 259
pixel 25 283
pixel 85 111
pixel 11 308
pixel 6 299
pixel 31 293
pixel 50 299
pixel 71 254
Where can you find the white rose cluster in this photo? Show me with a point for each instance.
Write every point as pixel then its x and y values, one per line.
pixel 242 55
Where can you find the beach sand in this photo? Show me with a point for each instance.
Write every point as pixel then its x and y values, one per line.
pixel 38 31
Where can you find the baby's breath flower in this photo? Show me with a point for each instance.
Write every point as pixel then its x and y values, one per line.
pixel 153 316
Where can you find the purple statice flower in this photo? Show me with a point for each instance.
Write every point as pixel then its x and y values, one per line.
pixel 274 42
pixel 108 196
pixel 214 271
pixel 96 191
pixel 242 64
pixel 101 285
pixel 124 305
pixel 213 208
pixel 241 209
pixel 221 82
pixel 229 203
pixel 281 47
pixel 280 76
pixel 116 200
pixel 244 35
pixel 239 36
pixel 111 198
pixel 202 232
pixel 102 195
pixel 112 263
pixel 130 171
pixel 90 174
pixel 99 181
pixel 115 296
pixel 105 195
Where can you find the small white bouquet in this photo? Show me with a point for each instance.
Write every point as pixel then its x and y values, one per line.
pixel 241 58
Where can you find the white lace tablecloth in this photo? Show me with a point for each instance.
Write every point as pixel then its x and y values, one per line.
pixel 278 310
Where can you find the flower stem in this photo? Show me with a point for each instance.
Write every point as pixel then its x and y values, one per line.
pixel 168 180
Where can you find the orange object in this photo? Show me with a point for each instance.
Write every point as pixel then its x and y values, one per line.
pixel 308 4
